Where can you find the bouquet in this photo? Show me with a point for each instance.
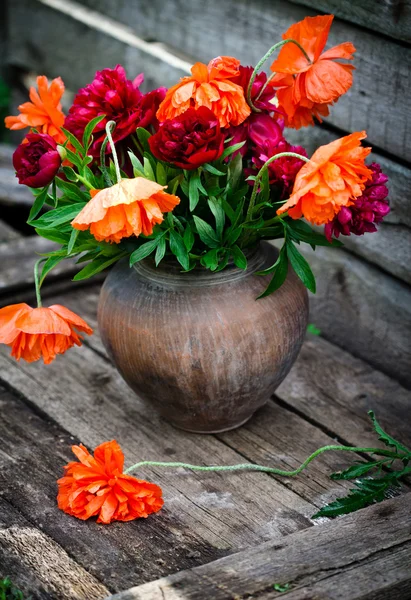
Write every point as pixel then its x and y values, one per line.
pixel 199 173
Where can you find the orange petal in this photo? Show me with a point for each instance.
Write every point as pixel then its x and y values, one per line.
pixel 42 320
pixel 71 318
pixel 327 80
pixel 8 317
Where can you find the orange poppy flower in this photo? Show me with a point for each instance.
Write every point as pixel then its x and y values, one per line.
pixel 127 208
pixel 97 486
pixel 44 111
pixel 33 333
pixel 208 86
pixel 334 177
pixel 314 83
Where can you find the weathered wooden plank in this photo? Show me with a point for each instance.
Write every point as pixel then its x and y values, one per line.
pixel 343 559
pixel 18 258
pixel 399 183
pixel 99 44
pixel 11 192
pixel 390 17
pixel 335 390
pixel 247 29
pixel 36 564
pixel 204 517
pixel 363 310
pixel 7 233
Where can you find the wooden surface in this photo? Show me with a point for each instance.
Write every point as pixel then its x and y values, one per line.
pixel 81 397
pixel 362 556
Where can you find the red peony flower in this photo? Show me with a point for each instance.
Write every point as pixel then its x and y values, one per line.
pixel 36 160
pixel 265 101
pixel 117 97
pixel 189 140
pixel 367 210
pixel 283 171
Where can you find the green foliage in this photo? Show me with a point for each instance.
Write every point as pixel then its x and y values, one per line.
pixel 373 480
pixel 8 591
pixel 281 587
pixel 311 328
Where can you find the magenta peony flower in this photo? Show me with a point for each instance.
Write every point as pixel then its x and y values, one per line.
pixel 265 100
pixel 36 160
pixel 282 171
pixel 117 97
pixel 189 140
pixel 367 210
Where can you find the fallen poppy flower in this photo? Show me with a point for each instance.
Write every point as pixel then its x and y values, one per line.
pixel 96 486
pixel 130 207
pixel 33 333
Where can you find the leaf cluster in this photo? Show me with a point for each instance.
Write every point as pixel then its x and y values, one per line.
pixel 373 480
pixel 8 591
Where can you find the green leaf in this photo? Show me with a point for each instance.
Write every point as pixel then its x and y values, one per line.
pixel 207 234
pixel 73 238
pixel 74 142
pixel 299 230
pixel 232 234
pixel 161 250
pixel 231 150
pixel 235 170
pixel 148 169
pixel 161 176
pixel 179 250
pixel 219 214
pixel 54 235
pixel 301 267
pixel 188 237
pixel 143 251
pixel 280 274
pixel 50 263
pixel 95 266
pixel 58 216
pixel 365 493
pixel 311 328
pixel 358 470
pixel 239 259
pixel 193 191
pixel 74 158
pixel 210 259
pixel 70 174
pixel 223 260
pixel 138 168
pixel 38 204
pixel 89 130
pixel 212 169
pixel 72 191
pixel 143 136
pixel 173 184
pixel 387 439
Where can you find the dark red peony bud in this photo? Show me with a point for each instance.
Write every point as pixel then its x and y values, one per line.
pixel 189 140
pixel 36 160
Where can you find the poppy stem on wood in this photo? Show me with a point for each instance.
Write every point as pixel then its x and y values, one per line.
pixel 272 470
pixel 262 61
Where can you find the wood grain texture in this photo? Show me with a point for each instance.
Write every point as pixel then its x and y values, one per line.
pixel 390 17
pixel 362 310
pixel 36 564
pixel 343 560
pixel 246 29
pixel 205 516
pixel 18 258
pixel 7 233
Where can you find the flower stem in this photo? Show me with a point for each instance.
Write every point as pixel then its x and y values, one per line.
pixel 260 174
pixel 109 129
pixel 261 92
pixel 253 467
pixel 84 181
pixel 262 61
pixel 37 283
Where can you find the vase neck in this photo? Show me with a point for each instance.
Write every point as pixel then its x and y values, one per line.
pixel 170 270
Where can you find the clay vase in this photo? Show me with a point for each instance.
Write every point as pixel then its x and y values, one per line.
pixel 198 346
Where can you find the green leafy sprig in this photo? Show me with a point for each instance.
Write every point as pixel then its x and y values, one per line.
pixel 8 591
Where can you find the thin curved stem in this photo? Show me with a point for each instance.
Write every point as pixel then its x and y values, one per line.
pixel 84 181
pixel 253 467
pixel 261 92
pixel 260 174
pixel 37 283
pixel 109 128
pixel 262 61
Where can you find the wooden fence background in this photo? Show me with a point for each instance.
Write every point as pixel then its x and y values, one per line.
pixel 363 301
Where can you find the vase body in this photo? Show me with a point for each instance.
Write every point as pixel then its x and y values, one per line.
pixel 199 346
